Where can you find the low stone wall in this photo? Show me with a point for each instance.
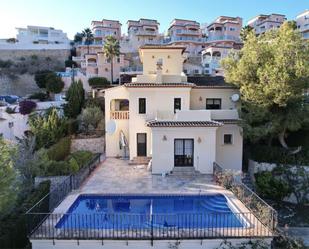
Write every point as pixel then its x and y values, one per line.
pixel 95 145
pixel 16 54
pixel 54 180
pixel 255 167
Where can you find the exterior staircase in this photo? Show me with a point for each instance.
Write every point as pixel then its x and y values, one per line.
pixel 247 181
pixel 179 171
pixel 140 160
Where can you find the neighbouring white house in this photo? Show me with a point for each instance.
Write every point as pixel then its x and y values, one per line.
pixel 42 35
pixel 302 22
pixel 178 124
pixel 37 38
pixel 14 125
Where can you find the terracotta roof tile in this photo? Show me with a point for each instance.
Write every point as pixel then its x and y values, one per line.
pixel 157 123
pixel 137 84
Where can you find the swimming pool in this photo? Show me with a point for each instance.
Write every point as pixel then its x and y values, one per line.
pixel 144 211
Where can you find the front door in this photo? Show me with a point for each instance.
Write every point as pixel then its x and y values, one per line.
pixel 141 144
pixel 183 152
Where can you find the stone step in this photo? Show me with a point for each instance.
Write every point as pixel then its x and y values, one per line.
pixel 185 171
pixel 140 160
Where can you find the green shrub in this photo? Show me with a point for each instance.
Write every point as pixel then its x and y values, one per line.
pixel 268 186
pixel 90 118
pixel 13 227
pixel 48 128
pixel 70 63
pixel 72 126
pixel 54 83
pixel 75 99
pixel 98 101
pixel 58 168
pixel 10 110
pixel 60 150
pixel 74 167
pixel 39 95
pixel 82 157
pixel 40 78
pixel 98 82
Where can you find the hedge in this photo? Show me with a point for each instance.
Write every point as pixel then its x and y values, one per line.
pixel 98 82
pixel 60 150
pixel 82 157
pixel 13 228
pixel 39 95
pixel 71 165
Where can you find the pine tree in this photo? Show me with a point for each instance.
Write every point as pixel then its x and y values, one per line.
pixel 75 97
pixel 272 73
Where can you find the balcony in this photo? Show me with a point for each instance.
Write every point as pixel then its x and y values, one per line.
pixel 188 32
pixel 187 39
pixel 214 37
pixel 92 64
pixel 77 58
pixel 134 69
pixel 145 32
pixel 119 115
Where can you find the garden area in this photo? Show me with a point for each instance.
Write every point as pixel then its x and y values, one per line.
pixel 44 151
pixel 274 116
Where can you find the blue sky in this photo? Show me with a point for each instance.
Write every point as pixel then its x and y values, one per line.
pixel 73 15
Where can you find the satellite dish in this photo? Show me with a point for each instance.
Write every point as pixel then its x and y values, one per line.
pixel 235 97
pixel 111 127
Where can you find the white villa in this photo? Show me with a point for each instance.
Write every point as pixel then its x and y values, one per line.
pixel 175 123
pixel 187 134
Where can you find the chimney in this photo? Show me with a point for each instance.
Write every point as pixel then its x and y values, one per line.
pixel 159 71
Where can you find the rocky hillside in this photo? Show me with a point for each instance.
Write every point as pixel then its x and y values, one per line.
pixel 17 68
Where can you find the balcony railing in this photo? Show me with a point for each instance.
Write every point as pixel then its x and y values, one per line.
pixel 92 64
pixel 145 32
pixel 131 69
pixel 213 37
pixel 186 38
pixel 188 32
pixel 119 115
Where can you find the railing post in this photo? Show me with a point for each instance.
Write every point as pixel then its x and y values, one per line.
pixel 151 233
pixel 71 182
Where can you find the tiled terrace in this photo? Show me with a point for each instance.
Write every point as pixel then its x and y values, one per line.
pixel 115 176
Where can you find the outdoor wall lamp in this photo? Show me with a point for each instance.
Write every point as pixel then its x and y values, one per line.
pixel 164 138
pixel 199 140
pixel 200 98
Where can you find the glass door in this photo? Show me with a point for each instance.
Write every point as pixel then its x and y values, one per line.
pixel 183 152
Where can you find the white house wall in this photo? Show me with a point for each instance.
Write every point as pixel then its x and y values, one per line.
pixel 161 99
pixel 229 156
pixel 222 93
pixel 112 140
pixel 163 150
pixel 134 244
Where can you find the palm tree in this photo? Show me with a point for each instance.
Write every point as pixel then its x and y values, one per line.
pixel 111 49
pixel 87 34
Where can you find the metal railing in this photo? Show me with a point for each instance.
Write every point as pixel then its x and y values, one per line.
pixel 40 211
pixel 266 214
pixel 104 226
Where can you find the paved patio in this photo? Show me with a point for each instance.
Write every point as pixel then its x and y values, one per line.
pixel 116 176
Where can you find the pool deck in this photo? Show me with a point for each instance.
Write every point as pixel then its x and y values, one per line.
pixel 116 176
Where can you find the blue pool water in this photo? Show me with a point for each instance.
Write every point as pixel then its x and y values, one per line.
pixel 121 212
